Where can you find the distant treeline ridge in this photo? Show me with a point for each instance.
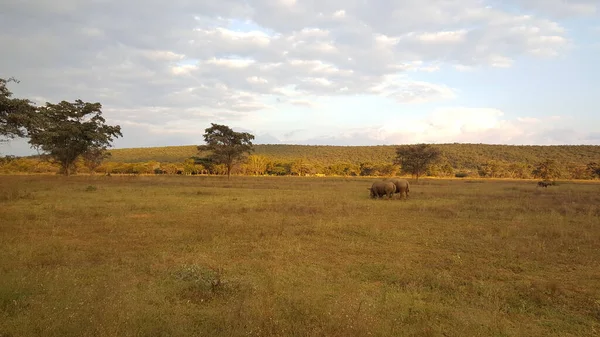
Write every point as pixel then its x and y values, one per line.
pixel 458 160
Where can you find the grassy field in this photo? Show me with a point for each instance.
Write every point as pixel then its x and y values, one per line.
pixel 292 256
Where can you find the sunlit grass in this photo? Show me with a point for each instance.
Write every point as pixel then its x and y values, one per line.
pixel 291 256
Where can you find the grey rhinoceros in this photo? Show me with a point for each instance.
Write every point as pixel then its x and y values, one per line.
pixel 402 186
pixel 381 188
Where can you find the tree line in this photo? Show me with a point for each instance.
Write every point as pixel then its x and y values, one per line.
pixel 459 156
pixel 223 156
pixel 73 137
pixel 262 165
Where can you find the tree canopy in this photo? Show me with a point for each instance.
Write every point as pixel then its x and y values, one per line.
pixel 68 130
pixel 15 113
pixel 416 159
pixel 226 146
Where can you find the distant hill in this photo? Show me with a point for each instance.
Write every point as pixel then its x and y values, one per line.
pixel 458 160
pixel 459 156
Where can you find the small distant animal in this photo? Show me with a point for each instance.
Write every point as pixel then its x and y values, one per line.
pixel 544 183
pixel 402 186
pixel 381 188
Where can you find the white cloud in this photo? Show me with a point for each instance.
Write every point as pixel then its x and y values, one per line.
pixel 183 69
pixel 256 80
pixel 444 36
pixel 404 90
pixel 200 60
pixel 528 120
pixel 561 8
pixel 304 103
pixel 448 125
pixel 339 14
pixel 461 67
pixel 500 61
pixel 163 55
pixel 230 63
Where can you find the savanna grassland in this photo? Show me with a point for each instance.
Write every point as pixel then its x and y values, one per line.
pixel 296 256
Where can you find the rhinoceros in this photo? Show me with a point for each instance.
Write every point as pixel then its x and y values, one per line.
pixel 381 188
pixel 402 186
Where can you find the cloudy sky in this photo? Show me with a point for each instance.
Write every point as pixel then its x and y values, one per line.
pixel 337 72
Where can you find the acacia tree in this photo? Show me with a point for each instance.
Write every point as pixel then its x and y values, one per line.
pixel 227 147
pixel 15 114
pixel 416 159
pixel 68 130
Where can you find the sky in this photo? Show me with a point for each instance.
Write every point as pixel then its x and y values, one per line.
pixel 336 72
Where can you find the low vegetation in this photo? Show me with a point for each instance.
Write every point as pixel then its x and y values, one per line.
pixel 290 256
pixel 456 160
pixel 459 156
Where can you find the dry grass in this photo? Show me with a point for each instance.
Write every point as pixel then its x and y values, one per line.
pixel 289 256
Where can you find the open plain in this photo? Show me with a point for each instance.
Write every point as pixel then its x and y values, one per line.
pixel 296 256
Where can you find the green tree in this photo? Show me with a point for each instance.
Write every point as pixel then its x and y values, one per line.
pixel 67 130
pixel 279 168
pixel 416 159
pixel 547 170
pixel 15 114
pixel 226 146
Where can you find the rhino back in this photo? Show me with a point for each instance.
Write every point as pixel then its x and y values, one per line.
pixel 401 184
pixel 383 187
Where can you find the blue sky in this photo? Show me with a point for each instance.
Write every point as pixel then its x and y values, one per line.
pixel 298 72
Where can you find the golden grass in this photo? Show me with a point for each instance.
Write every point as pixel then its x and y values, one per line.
pixel 291 256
